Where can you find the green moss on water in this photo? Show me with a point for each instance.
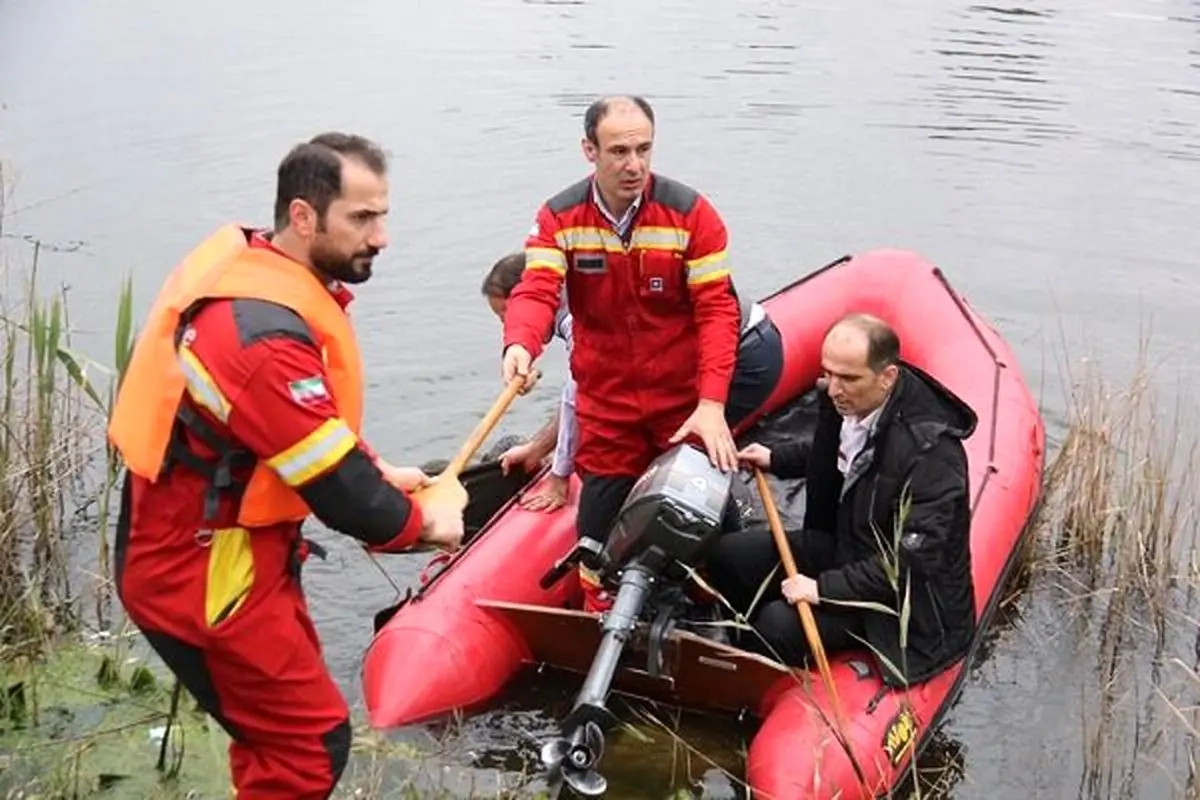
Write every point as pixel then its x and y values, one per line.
pixel 86 721
pixel 81 723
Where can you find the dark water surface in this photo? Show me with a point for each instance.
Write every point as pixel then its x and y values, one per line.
pixel 1047 157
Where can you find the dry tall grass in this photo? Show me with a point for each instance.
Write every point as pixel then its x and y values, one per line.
pixel 52 420
pixel 1120 522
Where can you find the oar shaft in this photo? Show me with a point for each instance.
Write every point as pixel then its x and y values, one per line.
pixel 806 616
pixel 482 430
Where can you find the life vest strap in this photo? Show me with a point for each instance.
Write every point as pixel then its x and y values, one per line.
pixel 219 472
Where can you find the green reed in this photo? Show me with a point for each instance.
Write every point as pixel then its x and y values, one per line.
pixel 52 428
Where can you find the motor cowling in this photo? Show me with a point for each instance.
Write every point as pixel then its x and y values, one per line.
pixel 672 514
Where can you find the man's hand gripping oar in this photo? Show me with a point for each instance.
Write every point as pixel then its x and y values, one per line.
pixel 446 487
pixel 446 490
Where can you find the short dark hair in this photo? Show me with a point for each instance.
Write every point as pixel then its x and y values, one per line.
pixel 312 171
pixel 883 345
pixel 598 110
pixel 504 276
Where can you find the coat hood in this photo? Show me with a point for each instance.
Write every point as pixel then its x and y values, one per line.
pixel 925 404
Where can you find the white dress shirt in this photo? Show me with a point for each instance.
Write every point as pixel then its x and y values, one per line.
pixel 854 436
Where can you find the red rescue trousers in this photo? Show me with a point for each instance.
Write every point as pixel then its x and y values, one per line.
pixel 260 673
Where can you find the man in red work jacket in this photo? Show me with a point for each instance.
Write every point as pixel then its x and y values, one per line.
pixel 241 414
pixel 656 316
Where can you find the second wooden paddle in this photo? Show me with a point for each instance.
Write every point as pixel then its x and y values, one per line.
pixel 806 616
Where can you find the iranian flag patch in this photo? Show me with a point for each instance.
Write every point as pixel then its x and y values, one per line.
pixel 308 390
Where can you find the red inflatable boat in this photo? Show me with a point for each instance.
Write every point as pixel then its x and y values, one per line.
pixel 470 628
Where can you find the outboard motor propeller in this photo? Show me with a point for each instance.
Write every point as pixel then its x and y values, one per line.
pixel 574 759
pixel 671 516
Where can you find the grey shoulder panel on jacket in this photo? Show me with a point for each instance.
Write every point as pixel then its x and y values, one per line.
pixel 673 194
pixel 573 195
pixel 257 320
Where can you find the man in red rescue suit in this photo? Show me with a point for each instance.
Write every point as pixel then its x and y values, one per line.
pixel 240 415
pixel 656 319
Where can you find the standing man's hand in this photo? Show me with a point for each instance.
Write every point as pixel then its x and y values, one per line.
pixel 551 497
pixel 518 363
pixel 708 423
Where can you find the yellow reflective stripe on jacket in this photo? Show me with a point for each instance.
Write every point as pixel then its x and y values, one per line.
pixel 708 268
pixel 314 454
pixel 582 238
pixel 201 386
pixel 545 258
pixel 656 237
pixel 652 237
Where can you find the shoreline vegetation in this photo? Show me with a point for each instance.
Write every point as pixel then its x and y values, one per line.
pixel 82 709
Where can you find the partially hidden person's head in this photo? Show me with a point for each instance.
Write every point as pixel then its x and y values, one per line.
pixel 618 136
pixel 860 359
pixel 331 200
pixel 500 281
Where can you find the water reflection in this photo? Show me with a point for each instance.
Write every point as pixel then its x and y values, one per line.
pixel 995 87
pixel 761 110
pixel 653 751
pixel 765 58
pixel 580 100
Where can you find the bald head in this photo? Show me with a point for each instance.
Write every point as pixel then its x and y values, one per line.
pixel 860 356
pixel 624 105
pixel 879 343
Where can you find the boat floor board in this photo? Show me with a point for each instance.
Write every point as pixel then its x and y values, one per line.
pixel 697 673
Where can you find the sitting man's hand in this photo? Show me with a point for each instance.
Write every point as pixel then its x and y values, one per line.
pixel 524 455
pixel 553 495
pixel 801 588
pixel 707 423
pixel 757 456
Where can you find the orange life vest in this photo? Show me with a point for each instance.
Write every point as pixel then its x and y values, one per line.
pixel 150 400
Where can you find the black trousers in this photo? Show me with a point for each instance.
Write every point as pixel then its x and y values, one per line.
pixel 737 567
pixel 759 365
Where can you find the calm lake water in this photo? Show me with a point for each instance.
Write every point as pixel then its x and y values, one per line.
pixel 1047 157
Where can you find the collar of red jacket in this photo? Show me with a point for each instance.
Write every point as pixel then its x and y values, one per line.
pixel 262 238
pixel 618 224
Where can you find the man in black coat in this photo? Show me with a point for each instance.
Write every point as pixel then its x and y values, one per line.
pixel 887 521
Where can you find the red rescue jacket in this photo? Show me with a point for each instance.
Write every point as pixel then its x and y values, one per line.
pixel 656 316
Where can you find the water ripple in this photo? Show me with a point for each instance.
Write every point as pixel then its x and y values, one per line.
pixel 996 88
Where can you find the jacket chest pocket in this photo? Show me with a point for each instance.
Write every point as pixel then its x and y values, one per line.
pixel 660 278
pixel 590 284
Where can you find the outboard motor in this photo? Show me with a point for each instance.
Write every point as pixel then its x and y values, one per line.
pixel 672 515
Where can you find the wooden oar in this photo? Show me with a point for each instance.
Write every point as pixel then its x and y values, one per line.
pixel 806 616
pixel 449 476
pixel 482 431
